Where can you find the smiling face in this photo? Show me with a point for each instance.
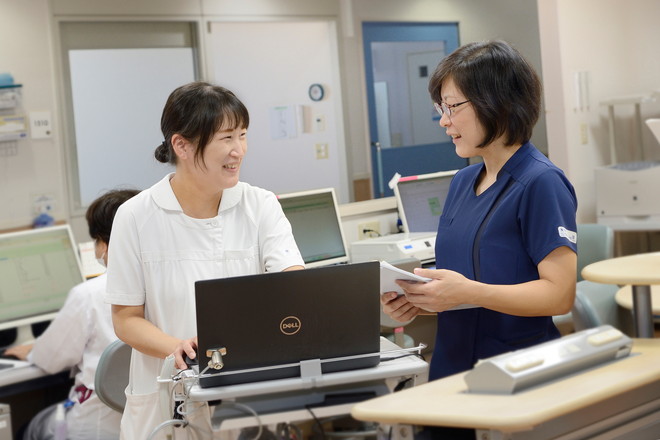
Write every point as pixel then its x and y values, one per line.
pixel 223 155
pixel 463 127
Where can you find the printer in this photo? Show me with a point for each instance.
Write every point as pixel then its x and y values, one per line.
pixel 627 194
pixel 418 245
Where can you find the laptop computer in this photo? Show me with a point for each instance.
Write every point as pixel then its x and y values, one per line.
pixel 289 324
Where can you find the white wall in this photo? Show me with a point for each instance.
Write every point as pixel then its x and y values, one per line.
pixel 268 65
pixel 619 47
pixel 38 167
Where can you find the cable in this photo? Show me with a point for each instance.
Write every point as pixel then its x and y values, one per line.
pixel 316 421
pixel 165 424
pixel 249 410
pixel 401 385
pixel 404 352
pixel 370 232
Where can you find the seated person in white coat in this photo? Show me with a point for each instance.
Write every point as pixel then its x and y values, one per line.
pixel 76 339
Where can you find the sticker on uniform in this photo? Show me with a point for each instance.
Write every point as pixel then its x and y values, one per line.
pixel 570 235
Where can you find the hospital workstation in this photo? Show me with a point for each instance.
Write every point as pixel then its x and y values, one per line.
pixel 342 131
pixel 47 264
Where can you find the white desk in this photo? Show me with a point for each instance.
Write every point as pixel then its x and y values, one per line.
pixel 15 376
pixel 608 398
pixel 286 399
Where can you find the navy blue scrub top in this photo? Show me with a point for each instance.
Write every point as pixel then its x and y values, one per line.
pixel 499 237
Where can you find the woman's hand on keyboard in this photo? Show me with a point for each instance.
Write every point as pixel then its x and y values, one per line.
pixel 18 351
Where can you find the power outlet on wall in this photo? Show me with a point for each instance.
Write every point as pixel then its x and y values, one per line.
pixel 368 230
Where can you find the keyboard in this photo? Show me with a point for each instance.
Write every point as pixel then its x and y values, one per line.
pixel 10 362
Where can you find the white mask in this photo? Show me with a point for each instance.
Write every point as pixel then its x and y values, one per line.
pixel 101 260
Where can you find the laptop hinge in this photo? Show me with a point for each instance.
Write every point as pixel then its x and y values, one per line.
pixel 310 371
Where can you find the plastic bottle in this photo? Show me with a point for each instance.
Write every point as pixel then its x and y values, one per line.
pixel 60 421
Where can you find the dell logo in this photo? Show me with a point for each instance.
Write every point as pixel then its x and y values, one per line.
pixel 290 325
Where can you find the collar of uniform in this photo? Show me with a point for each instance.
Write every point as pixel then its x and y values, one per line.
pixel 231 197
pixel 164 196
pixel 517 157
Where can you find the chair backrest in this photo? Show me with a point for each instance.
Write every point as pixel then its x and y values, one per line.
pixel 595 242
pixel 595 305
pixel 111 376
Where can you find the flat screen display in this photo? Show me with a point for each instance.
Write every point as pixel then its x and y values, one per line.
pixel 421 199
pixel 38 267
pixel 314 218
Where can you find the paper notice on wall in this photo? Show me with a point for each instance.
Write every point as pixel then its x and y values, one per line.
pixel 283 122
pixel 12 127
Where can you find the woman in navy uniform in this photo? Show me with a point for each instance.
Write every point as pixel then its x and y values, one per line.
pixel 506 239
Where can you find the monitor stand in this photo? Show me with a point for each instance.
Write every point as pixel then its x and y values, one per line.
pixel 24 335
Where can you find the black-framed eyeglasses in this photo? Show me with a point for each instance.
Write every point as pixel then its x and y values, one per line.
pixel 447 109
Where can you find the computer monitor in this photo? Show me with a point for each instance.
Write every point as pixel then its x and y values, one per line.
pixel 314 218
pixel 421 199
pixel 38 267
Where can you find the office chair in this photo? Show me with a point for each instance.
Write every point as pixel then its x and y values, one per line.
pixel 595 243
pixel 111 376
pixel 595 305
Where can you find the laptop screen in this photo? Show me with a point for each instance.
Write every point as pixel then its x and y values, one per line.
pixel 316 225
pixel 420 200
pixel 265 325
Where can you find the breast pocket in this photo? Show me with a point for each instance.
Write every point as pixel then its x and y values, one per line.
pixel 241 261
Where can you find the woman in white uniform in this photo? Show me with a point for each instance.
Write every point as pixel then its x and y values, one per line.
pixel 76 339
pixel 197 223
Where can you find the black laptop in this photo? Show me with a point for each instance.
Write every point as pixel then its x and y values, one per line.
pixel 289 324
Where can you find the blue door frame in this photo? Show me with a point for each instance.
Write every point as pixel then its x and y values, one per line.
pixel 407 160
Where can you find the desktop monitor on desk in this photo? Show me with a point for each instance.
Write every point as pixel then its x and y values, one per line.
pixel 316 225
pixel 38 267
pixel 421 199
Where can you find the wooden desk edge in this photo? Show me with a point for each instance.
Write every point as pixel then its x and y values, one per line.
pixel 445 402
pixel 638 269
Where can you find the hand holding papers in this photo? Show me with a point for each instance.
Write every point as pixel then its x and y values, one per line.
pixel 389 273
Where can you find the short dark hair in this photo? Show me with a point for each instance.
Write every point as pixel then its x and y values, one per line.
pixel 101 212
pixel 197 111
pixel 502 87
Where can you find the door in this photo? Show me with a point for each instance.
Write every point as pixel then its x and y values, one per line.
pixel 403 124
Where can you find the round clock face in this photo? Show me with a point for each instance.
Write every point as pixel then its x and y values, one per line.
pixel 316 92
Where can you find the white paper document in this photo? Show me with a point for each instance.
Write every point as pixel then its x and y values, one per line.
pixel 389 273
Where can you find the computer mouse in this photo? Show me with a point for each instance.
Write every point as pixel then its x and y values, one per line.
pixel 190 362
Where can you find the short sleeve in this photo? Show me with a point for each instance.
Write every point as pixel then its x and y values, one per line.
pixel 277 244
pixel 548 215
pixel 125 277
